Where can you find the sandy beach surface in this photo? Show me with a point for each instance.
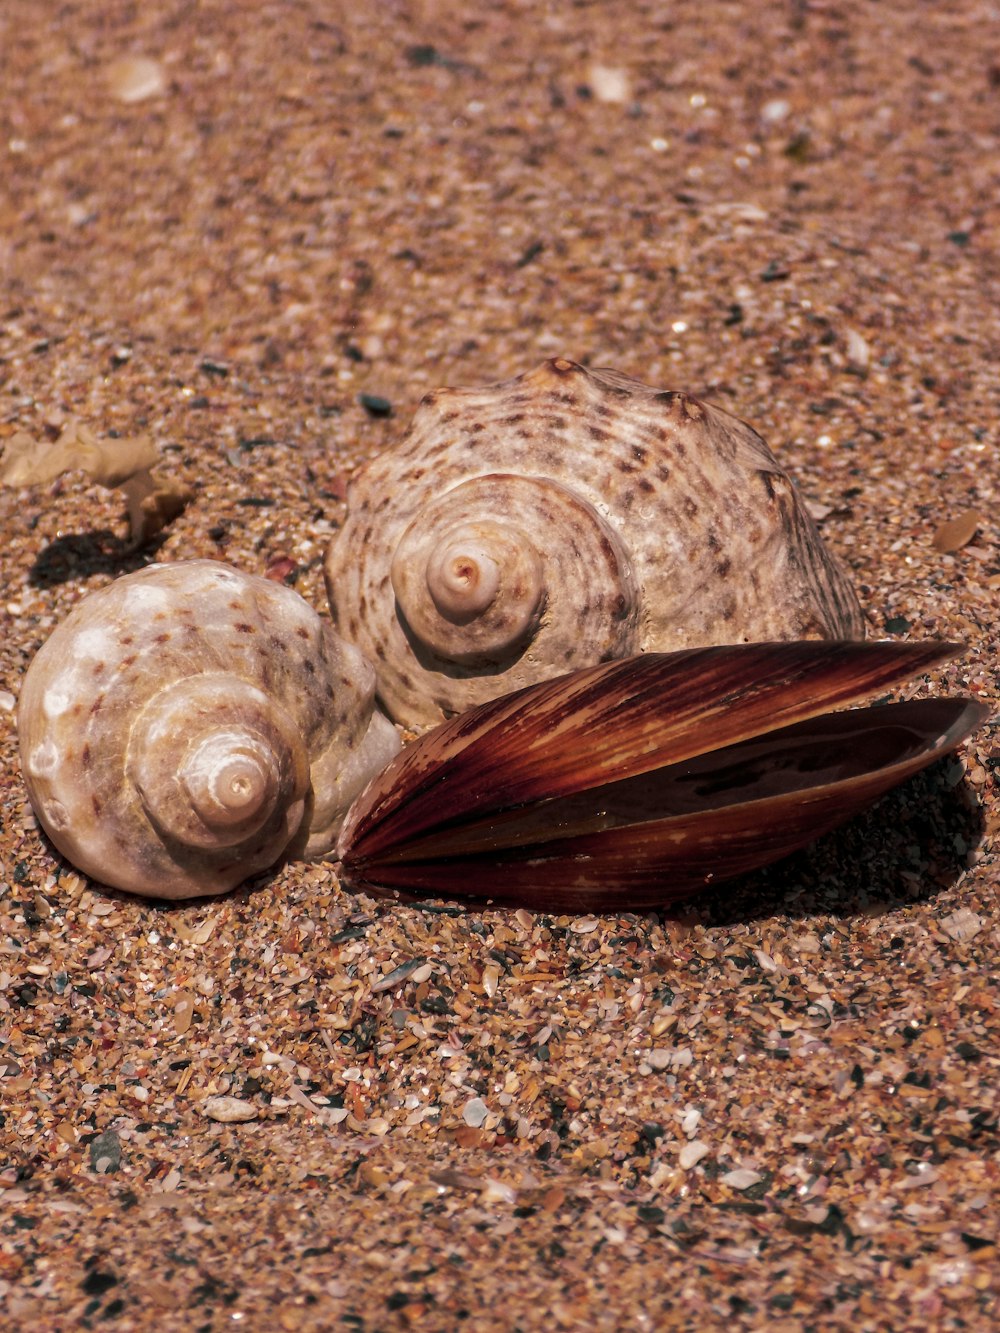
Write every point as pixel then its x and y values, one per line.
pixel 230 227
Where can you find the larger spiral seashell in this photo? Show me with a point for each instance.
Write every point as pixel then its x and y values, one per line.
pixel 564 518
pixel 188 725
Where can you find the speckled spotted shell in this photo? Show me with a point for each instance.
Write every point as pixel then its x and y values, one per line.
pixel 188 725
pixel 564 518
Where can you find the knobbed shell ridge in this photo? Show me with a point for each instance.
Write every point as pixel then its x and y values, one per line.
pixel 567 517
pixel 188 725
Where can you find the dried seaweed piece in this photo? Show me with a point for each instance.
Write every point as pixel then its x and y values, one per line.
pixel 630 784
pixel 118 464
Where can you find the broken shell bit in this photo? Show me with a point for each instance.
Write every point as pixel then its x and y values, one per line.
pixel 630 784
pixel 188 725
pixel 564 518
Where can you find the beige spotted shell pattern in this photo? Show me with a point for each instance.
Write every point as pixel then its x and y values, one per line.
pixel 189 725
pixel 568 517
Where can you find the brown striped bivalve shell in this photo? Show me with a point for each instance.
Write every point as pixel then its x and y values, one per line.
pixel 189 725
pixel 627 785
pixel 563 518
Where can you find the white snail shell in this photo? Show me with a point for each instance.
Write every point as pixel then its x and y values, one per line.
pixel 188 725
pixel 564 518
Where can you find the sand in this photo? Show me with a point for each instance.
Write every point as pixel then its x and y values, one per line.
pixel 221 225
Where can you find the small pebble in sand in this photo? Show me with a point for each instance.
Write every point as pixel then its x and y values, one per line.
pixel 957 532
pixel 962 925
pixel 229 1110
pixel 741 1179
pixel 475 1112
pixel 136 78
pixel 609 84
pixel 692 1153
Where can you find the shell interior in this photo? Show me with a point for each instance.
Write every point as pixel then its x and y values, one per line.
pixel 638 782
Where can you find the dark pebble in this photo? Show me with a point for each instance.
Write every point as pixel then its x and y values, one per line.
pixel 375 406
pixel 532 252
pixel 351 933
pixel 977 1242
pixel 774 272
pixel 96 1283
pixel 968 1052
pixel 106 1146
pixel 422 56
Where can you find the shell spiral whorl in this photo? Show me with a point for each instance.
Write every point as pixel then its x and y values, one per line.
pixel 501 578
pixel 188 725
pixel 215 760
pixel 472 593
pixel 474 575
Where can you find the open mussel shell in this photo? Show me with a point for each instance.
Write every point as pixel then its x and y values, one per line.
pixel 631 784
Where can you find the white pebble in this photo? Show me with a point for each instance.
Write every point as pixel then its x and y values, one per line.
pixel 497 1191
pixel 475 1112
pixel 925 1174
pixel 765 960
pixel 741 1179
pixel 690 1123
pixel 692 1153
pixel 775 110
pixel 134 78
pixel 229 1110
pixel 584 925
pixel 858 351
pixel 963 924
pixel 609 84
pixel 669 1057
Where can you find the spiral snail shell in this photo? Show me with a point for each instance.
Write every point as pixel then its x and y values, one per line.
pixel 563 518
pixel 188 725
